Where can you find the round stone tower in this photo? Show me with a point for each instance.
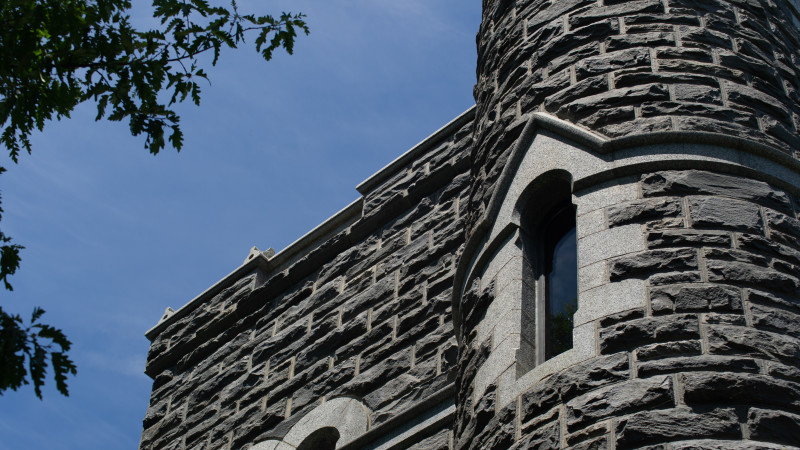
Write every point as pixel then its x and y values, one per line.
pixel 651 147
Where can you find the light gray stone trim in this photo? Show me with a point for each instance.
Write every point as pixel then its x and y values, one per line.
pixel 477 240
pixel 615 150
pixel 401 161
pixel 543 121
pixel 589 161
pixel 349 416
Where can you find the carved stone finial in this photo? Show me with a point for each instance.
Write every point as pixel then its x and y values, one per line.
pixel 268 253
pixel 167 314
pixel 253 253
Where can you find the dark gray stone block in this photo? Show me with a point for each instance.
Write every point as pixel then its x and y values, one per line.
pixel 777 320
pixel 641 211
pixel 673 424
pixel 724 213
pixel 661 279
pixel 752 275
pixel 695 298
pixel 785 229
pixel 697 363
pixel 599 443
pixel 687 238
pixel 734 388
pixel 565 385
pixel 646 263
pixel 774 426
pixel 696 182
pixel 620 399
pixel 648 330
pixel 668 349
pixel 783 302
pixel 439 441
pixel 547 436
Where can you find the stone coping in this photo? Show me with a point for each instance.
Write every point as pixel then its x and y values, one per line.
pixel 267 265
pixel 401 161
pixel 314 238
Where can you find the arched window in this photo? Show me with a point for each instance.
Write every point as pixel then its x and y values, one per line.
pixel 338 421
pixel 560 279
pixel 549 236
pixel 323 439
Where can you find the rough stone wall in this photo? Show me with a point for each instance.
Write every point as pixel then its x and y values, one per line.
pixel 708 356
pixel 632 67
pixel 364 313
pixel 713 359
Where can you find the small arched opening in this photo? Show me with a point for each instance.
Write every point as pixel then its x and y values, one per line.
pixel 550 246
pixel 322 439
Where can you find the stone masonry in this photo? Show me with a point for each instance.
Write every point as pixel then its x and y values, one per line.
pixel 357 309
pixel 676 123
pixel 625 68
pixel 413 317
pixel 711 358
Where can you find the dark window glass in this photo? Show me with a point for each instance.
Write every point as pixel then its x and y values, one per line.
pixel 561 280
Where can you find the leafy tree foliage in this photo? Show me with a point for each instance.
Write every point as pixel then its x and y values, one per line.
pixel 56 54
pixel 34 343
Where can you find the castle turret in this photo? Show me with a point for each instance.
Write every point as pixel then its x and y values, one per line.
pixel 603 253
pixel 652 148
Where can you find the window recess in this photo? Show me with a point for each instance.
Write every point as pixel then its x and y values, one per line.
pixel 550 245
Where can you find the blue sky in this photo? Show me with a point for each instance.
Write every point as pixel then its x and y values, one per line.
pixel 114 235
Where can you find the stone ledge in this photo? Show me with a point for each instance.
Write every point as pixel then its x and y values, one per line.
pixel 401 161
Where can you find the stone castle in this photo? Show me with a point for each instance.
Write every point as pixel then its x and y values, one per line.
pixel 603 253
